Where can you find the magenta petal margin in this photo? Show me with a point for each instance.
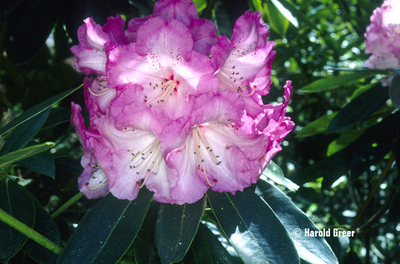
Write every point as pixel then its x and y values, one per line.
pixel 174 107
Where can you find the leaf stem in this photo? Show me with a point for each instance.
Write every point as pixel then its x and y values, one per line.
pixel 373 191
pixel 29 232
pixel 65 206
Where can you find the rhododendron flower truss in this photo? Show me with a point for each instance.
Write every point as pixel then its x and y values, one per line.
pixel 174 107
pixel 383 37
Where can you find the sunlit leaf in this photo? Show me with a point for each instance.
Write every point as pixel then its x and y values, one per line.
pixel 279 23
pixel 107 230
pixel 17 202
pixel 175 229
pixel 20 154
pixel 312 249
pixel 336 81
pixel 318 126
pixel 275 173
pixel 301 17
pixel 346 138
pixel 252 228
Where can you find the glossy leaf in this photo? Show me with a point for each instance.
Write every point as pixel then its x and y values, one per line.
pixel 279 23
pixel 359 108
pixel 298 14
pixel 396 71
pixel 24 133
pixel 144 247
pixel 42 163
pixel 45 226
pixel 56 117
pixel 17 202
pixel 318 126
pixel 37 109
pixel 252 228
pixel 346 138
pixel 105 233
pixel 69 164
pixel 336 81
pixel 312 249
pixel 199 251
pixel 275 173
pixel 176 227
pixel 206 248
pixel 20 154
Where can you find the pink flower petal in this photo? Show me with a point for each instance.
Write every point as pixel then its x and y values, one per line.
pixel 182 10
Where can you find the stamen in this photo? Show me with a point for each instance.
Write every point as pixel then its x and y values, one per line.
pixel 198 136
pixel 103 93
pixel 150 159
pixel 166 89
pixel 94 188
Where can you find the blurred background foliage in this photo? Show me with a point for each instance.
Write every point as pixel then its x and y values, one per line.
pixel 343 152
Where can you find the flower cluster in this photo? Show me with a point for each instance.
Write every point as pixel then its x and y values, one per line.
pixel 175 107
pixel 383 37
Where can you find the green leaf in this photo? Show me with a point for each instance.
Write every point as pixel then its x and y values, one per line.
pixel 252 228
pixel 56 117
pixel 298 14
pixel 20 154
pixel 45 226
pixel 200 251
pixel 396 71
pixel 17 202
pixel 359 108
pixel 222 20
pixel 175 229
pixel 24 133
pixel 336 81
pixel 206 248
pixel 312 249
pixel 37 109
pixel 346 138
pixel 144 246
pixel 275 173
pixel 318 126
pixel 42 163
pixel 279 23
pixel 105 233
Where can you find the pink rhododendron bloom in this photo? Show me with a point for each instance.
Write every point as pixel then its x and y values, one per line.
pixel 383 37
pixel 175 108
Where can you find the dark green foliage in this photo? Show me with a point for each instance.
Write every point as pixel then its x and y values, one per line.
pixel 344 151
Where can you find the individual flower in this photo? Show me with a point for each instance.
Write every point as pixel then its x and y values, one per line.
pixel 238 62
pixel 163 62
pixel 175 108
pixel 218 147
pixel 383 37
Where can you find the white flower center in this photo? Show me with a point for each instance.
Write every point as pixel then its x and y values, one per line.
pixel 162 92
pixel 147 160
pixel 201 144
